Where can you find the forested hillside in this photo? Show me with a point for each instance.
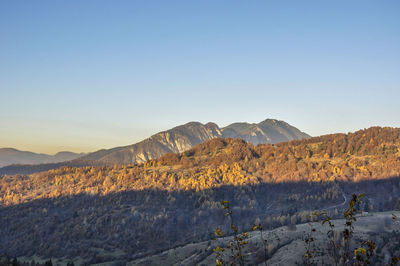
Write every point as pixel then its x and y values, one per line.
pixel 366 154
pixel 141 209
pixel 175 140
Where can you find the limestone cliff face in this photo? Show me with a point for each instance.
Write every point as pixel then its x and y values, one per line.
pixel 176 140
pixel 184 137
pixel 267 131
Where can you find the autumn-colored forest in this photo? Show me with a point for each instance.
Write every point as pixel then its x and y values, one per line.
pixel 141 209
pixel 367 154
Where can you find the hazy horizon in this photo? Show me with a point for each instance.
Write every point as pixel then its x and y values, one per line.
pixel 54 151
pixel 82 76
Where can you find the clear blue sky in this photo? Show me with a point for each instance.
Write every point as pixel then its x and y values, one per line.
pixel 85 75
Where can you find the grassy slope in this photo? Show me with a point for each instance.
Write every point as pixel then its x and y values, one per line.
pixel 286 246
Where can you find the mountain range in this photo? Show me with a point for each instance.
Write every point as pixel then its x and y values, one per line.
pixel 175 140
pixel 10 156
pixel 184 137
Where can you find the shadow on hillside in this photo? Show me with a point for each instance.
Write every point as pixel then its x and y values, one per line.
pixel 131 224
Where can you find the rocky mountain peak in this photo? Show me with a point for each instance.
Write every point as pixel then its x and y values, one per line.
pixel 184 137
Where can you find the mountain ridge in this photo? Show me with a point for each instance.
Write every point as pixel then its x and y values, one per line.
pixel 10 156
pixel 368 154
pixel 175 140
pixel 184 137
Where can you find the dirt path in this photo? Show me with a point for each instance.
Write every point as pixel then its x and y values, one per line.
pixel 339 205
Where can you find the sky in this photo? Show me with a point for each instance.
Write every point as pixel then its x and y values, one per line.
pixel 86 75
